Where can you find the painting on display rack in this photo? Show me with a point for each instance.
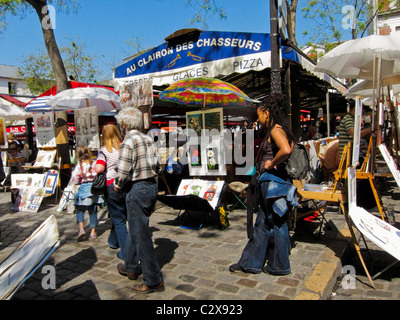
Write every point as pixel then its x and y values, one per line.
pixel 44 128
pixel 87 128
pixel 206 152
pixel 31 191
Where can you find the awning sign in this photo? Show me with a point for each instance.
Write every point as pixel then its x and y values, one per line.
pixel 212 54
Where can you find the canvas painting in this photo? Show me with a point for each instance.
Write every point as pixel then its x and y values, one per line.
pixel 87 128
pixel 209 190
pixel 51 182
pixel 194 121
pixel 213 120
pixel 31 191
pixel 45 158
pixel 45 139
pixel 43 121
pixel 212 159
pixel 136 94
pixel 195 156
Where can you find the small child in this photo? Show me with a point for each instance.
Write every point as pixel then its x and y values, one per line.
pixel 84 175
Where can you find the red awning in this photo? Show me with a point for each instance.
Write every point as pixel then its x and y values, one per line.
pixel 13 100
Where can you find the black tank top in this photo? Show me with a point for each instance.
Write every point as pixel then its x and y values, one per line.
pixel 268 150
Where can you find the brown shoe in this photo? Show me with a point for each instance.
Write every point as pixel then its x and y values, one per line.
pixel 142 288
pixel 123 272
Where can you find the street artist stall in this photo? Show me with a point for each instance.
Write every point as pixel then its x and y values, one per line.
pixel 207 142
pixel 42 178
pixel 371 58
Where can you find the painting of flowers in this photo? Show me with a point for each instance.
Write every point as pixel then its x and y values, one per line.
pixel 195 158
pixel 194 121
pixel 212 161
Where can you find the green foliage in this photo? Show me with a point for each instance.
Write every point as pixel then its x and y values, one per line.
pixel 137 44
pixel 78 63
pixel 37 71
pixel 204 11
pixel 332 21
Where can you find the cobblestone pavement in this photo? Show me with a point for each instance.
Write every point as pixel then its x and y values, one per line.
pixel 194 262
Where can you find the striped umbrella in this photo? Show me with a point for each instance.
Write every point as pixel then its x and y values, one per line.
pixel 39 104
pixel 208 92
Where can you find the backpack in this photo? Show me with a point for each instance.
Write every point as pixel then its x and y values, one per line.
pixel 298 163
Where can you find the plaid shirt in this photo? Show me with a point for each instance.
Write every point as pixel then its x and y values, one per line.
pixel 138 159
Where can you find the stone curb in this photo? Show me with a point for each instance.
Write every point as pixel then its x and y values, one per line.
pixel 324 277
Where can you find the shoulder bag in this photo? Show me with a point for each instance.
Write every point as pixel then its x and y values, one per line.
pixel 99 184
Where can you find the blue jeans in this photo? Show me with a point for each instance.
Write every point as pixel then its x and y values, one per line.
pixel 117 209
pixel 271 241
pixel 80 214
pixel 140 203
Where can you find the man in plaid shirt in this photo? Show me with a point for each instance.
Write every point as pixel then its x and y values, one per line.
pixel 137 169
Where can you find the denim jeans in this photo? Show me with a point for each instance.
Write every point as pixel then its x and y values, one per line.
pixel 271 241
pixel 117 209
pixel 140 203
pixel 80 214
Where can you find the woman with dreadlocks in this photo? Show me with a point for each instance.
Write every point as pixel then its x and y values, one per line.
pixel 270 240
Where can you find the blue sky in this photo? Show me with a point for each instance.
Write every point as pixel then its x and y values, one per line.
pixel 105 26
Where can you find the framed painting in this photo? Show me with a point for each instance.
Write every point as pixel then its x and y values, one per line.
pixel 43 121
pixel 194 121
pixel 87 128
pixel 51 182
pixel 213 120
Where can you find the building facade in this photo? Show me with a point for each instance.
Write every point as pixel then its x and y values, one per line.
pixel 387 20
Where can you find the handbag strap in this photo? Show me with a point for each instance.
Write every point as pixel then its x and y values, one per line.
pixel 105 168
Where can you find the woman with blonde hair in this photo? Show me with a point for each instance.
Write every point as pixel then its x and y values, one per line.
pixel 107 159
pixel 84 175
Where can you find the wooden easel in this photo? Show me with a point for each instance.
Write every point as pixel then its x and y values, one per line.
pixel 337 195
pixel 341 173
pixel 363 174
pixel 331 195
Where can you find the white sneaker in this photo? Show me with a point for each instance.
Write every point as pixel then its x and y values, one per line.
pixel 81 235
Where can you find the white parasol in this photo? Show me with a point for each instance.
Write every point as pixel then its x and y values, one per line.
pixel 68 100
pixel 13 112
pixel 362 58
pixel 365 88
pixel 373 58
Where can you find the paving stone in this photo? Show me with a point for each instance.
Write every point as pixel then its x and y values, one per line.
pixel 288 281
pixel 247 283
pixel 188 278
pixel 227 288
pixel 186 287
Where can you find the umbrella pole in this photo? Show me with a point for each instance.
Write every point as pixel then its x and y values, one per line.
pixel 379 127
pixel 375 109
pixel 327 114
pixel 373 92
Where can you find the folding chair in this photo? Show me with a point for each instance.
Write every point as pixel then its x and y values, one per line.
pixel 238 190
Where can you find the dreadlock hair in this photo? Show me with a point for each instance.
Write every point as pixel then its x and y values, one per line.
pixel 277 105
